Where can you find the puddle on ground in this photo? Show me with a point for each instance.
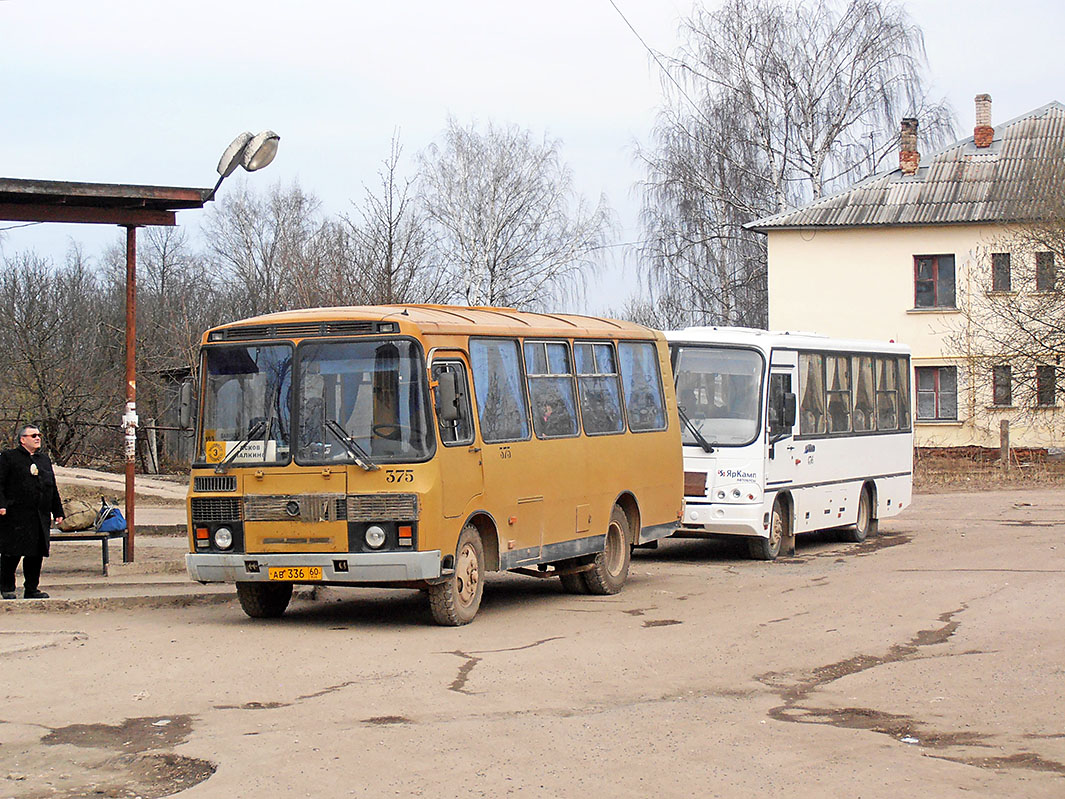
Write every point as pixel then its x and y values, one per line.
pixel 387 720
pixel 108 760
pixel 132 735
pixel 882 541
pixel 661 623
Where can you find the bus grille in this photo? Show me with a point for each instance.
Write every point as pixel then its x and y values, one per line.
pixel 298 507
pixel 226 482
pixel 215 509
pixel 382 507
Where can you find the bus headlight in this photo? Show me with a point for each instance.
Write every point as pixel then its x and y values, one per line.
pixel 375 537
pixel 223 538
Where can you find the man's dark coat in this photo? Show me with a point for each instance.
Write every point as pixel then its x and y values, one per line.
pixel 31 499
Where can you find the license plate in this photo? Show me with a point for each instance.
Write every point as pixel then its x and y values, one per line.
pixel 292 573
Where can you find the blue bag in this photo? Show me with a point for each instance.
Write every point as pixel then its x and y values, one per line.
pixel 110 519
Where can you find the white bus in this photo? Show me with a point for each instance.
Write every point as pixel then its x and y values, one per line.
pixel 787 433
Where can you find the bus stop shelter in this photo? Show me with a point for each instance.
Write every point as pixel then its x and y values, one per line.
pixel 128 206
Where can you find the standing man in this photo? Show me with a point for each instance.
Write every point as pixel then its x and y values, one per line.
pixel 29 500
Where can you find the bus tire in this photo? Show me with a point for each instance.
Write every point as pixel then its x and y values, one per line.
pixel 610 568
pixel 573 583
pixel 768 548
pixel 264 600
pixel 866 524
pixel 455 601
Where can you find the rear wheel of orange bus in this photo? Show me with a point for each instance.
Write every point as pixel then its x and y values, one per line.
pixel 455 601
pixel 610 568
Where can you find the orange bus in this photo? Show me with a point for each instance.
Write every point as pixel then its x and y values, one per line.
pixel 424 446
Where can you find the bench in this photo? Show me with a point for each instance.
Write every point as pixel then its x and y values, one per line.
pixel 95 535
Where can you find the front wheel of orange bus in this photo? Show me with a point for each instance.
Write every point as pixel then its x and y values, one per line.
pixel 610 568
pixel 455 601
pixel 264 600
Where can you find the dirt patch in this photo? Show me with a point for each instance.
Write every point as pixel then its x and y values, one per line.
pixel 132 735
pixel 970 469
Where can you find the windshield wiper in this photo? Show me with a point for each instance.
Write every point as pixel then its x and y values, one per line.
pixel 256 429
pixel 357 453
pixel 706 445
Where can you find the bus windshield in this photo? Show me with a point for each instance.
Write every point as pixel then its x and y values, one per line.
pixel 246 404
pixel 362 401
pixel 719 389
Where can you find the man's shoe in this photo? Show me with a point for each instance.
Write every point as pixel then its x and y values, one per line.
pixel 36 595
pixel 8 594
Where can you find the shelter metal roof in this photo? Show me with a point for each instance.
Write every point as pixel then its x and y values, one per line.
pixel 961 184
pixel 63 201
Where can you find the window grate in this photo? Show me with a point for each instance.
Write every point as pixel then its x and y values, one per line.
pixel 382 507
pixel 295 330
pixel 215 483
pixel 215 509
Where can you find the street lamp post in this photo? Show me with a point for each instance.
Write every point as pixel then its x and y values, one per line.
pixel 251 152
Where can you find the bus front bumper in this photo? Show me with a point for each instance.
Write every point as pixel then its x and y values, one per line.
pixel 709 519
pixel 337 567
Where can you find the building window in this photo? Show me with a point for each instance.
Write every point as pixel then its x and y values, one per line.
pixel 1046 385
pixel 1002 382
pixel 1000 271
pixel 933 281
pixel 937 393
pixel 1046 273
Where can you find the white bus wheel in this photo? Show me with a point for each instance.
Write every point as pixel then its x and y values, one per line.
pixel 769 548
pixel 866 524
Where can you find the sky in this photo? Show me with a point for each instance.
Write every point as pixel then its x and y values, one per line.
pixel 144 92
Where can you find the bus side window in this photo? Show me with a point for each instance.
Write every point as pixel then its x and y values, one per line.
pixel 887 397
pixel 779 388
pixel 811 393
pixel 498 384
pixel 597 382
pixel 642 383
pixel 864 395
pixel 458 430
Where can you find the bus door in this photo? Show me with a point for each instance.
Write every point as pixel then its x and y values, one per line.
pixel 459 461
pixel 782 450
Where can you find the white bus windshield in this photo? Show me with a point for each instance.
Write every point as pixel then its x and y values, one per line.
pixel 719 390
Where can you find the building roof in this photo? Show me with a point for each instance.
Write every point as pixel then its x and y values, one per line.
pixel 443 319
pixel 108 203
pixel 960 184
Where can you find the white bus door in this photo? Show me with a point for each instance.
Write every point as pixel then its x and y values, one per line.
pixel 782 451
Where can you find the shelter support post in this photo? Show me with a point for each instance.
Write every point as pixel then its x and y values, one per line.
pixel 129 419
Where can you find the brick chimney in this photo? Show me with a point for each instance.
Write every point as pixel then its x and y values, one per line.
pixel 983 133
pixel 909 158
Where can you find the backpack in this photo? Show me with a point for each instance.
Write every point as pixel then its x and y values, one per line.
pixel 109 519
pixel 79 516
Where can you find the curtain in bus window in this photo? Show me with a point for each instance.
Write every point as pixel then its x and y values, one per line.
pixel 887 395
pixel 642 384
pixel 864 394
pixel 839 393
pixel 904 392
pixel 597 383
pixel 812 393
pixel 547 366
pixel 497 383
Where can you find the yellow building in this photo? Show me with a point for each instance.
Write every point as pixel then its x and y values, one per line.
pixel 938 254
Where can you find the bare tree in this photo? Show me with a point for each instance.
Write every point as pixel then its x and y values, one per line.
pixel 771 104
pixel 261 244
pixel 62 364
pixel 508 223
pixel 391 241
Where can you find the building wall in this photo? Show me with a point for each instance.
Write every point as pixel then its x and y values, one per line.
pixel 859 283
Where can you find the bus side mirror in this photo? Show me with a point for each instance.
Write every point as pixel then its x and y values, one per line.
pixel 185 405
pixel 447 397
pixel 789 409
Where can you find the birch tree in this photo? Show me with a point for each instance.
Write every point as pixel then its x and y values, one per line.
pixel 770 105
pixel 508 224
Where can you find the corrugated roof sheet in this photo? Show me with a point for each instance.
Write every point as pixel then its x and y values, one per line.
pixel 1006 182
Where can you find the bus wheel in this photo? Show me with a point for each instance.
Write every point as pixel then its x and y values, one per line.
pixel 769 548
pixel 264 600
pixel 573 583
pixel 610 568
pixel 866 524
pixel 455 601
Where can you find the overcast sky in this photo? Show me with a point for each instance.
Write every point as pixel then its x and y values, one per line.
pixel 137 91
